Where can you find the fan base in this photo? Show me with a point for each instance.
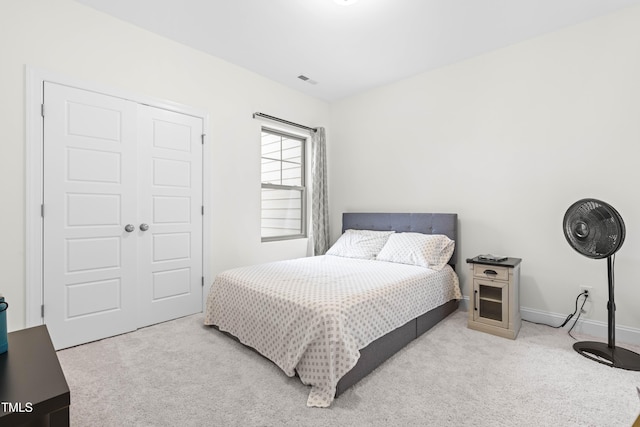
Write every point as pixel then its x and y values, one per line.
pixel 615 357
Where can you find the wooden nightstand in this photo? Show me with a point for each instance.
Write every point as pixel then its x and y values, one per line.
pixel 494 296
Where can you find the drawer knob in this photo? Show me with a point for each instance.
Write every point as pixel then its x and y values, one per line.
pixel 490 273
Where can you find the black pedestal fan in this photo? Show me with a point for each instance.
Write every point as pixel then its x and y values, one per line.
pixel 596 230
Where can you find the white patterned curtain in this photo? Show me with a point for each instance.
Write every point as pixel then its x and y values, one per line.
pixel 319 197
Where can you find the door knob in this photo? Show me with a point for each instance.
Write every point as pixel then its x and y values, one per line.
pixel 144 227
pixel 129 228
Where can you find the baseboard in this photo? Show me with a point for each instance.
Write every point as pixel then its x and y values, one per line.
pixel 464 304
pixel 594 328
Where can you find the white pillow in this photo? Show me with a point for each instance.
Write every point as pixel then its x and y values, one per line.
pixel 363 244
pixel 426 250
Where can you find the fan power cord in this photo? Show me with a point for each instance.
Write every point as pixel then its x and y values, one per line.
pixel 569 317
pixel 586 297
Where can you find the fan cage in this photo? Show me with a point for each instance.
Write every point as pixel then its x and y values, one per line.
pixel 594 228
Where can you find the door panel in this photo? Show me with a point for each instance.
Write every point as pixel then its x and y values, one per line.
pixel 170 203
pixel 93 210
pixel 93 297
pixel 171 246
pixel 89 195
pixel 88 254
pixel 93 166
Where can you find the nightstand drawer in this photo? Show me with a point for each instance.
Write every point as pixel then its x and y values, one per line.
pixel 490 272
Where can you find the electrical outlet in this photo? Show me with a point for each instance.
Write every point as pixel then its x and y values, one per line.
pixel 588 289
pixel 589 302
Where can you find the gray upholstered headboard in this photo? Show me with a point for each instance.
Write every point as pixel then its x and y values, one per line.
pixel 426 223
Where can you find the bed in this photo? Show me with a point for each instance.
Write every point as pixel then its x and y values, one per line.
pixel 332 319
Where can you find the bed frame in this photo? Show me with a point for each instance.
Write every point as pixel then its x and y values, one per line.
pixel 386 346
pixel 378 351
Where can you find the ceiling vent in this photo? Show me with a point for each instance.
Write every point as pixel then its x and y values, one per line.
pixel 307 79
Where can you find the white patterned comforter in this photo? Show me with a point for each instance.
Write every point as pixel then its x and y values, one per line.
pixel 312 315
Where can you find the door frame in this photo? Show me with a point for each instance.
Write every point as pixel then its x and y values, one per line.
pixel 34 166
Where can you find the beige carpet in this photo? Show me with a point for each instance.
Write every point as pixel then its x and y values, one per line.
pixel 181 373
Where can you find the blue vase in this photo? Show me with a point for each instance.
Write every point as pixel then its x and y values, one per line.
pixel 4 344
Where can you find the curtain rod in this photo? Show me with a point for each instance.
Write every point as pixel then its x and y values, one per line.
pixel 276 119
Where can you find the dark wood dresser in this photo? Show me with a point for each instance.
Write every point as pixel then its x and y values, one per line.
pixel 33 389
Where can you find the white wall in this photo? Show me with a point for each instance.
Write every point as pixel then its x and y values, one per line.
pixel 509 140
pixel 67 38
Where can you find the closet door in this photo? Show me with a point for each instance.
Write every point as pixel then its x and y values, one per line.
pixel 90 195
pixel 122 240
pixel 170 212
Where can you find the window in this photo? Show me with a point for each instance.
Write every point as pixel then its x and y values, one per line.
pixel 283 186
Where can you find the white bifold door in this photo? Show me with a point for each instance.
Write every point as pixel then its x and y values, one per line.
pixel 122 215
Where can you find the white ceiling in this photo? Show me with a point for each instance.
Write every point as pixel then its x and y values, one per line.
pixel 349 49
